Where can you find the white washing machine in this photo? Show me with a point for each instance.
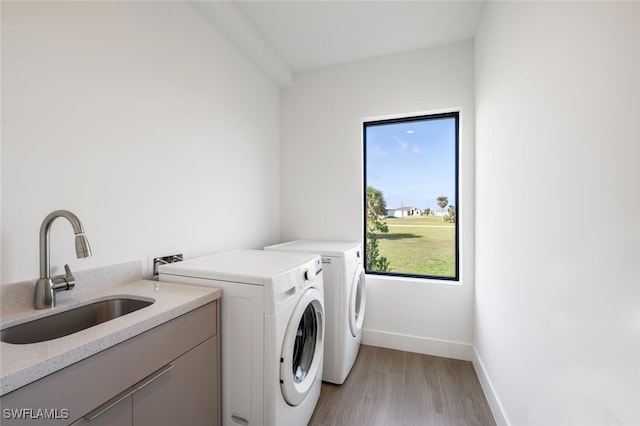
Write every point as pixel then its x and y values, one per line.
pixel 345 297
pixel 272 332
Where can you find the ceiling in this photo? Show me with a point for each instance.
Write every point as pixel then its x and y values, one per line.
pixel 312 34
pixel 285 37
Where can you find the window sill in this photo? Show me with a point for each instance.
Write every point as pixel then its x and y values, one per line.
pixel 416 280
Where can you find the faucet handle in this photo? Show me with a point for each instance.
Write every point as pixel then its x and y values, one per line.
pixel 64 282
pixel 68 275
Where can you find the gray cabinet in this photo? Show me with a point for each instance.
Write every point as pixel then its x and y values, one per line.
pixel 184 395
pixel 167 375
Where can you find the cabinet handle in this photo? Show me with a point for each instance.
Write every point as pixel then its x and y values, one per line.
pixel 150 378
pixel 110 403
pixel 127 392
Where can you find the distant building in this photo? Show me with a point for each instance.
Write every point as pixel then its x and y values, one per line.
pixel 403 212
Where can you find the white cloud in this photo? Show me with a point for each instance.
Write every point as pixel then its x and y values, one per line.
pixel 402 145
pixel 416 149
pixel 379 152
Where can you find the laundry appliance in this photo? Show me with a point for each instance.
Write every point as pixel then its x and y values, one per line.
pixel 272 326
pixel 345 301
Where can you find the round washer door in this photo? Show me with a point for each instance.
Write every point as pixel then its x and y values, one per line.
pixel 357 301
pixel 303 347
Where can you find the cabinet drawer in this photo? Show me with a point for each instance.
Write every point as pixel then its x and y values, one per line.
pixel 186 395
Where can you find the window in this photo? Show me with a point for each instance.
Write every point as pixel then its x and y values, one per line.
pixel 411 196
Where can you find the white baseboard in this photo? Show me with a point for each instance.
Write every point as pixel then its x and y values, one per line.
pixel 489 392
pixel 421 345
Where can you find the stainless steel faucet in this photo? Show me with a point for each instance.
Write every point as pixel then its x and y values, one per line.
pixel 46 286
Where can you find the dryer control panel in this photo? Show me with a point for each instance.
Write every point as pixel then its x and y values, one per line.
pixel 285 287
pixel 311 274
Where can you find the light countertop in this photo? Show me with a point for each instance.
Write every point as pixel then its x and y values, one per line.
pixel 26 363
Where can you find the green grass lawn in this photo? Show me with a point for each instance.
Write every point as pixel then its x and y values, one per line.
pixel 420 245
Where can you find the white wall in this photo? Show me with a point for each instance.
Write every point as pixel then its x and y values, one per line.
pixel 144 121
pixel 321 180
pixel 557 328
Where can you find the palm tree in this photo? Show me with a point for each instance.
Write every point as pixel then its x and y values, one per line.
pixel 442 202
pixel 376 210
pixel 375 202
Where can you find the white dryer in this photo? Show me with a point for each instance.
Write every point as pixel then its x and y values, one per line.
pixel 272 330
pixel 345 301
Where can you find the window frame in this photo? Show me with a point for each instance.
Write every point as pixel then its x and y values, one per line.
pixel 366 123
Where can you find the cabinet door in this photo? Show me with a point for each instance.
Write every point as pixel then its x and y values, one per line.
pixel 188 394
pixel 120 414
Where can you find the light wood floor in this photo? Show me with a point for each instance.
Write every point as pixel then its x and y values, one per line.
pixel 387 387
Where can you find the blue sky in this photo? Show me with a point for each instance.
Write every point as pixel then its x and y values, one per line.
pixel 412 163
